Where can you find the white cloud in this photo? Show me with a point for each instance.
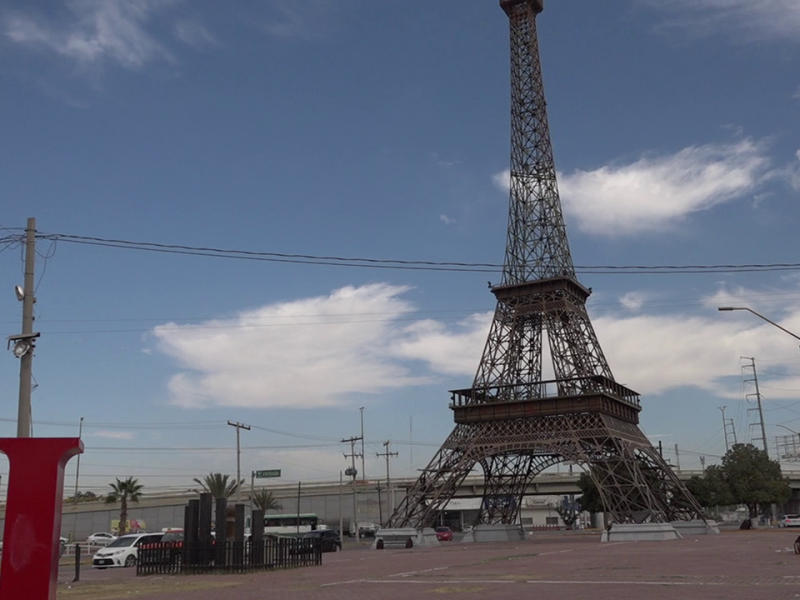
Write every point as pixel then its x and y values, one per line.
pixel 447 220
pixel 114 435
pixel 289 18
pixel 321 351
pixel 659 192
pixel 748 20
pixel 446 351
pixel 794 172
pixel 633 300
pixel 97 30
pixel 502 180
pixel 302 354
pixel 796 94
pixel 194 33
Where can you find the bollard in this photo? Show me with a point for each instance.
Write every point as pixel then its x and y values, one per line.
pixel 77 563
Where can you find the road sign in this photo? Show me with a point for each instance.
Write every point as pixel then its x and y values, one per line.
pixel 268 473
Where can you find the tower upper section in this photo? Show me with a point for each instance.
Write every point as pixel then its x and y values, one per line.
pixel 508 5
pixel 537 246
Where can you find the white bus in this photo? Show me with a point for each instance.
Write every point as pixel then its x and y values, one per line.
pixel 289 524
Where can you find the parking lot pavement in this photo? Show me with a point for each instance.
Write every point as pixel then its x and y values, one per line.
pixel 66 573
pixel 751 565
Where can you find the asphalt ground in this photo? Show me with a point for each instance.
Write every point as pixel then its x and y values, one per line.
pixel 751 565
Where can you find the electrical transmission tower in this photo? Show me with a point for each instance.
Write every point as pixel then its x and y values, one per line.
pixel 511 423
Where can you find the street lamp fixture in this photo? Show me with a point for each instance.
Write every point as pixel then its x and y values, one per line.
pixel 760 316
pixel 787 429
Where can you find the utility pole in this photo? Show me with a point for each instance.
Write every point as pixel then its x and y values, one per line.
pixel 238 458
pixel 388 454
pixel 352 471
pixel 758 400
pixel 23 344
pixel 724 427
pixel 363 466
pixel 78 467
pixel 677 459
pixel 726 424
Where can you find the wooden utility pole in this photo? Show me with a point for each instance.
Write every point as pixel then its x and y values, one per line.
pixel 388 454
pixel 238 459
pixel 353 472
pixel 24 343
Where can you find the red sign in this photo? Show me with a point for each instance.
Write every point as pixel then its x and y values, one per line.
pixel 33 515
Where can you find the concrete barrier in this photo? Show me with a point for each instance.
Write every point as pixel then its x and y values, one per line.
pixel 404 537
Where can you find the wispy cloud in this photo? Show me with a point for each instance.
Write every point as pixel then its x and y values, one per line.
pixel 194 34
pixel 794 172
pixel 658 192
pixel 303 354
pixel 746 20
pixel 95 32
pixel 113 435
pixel 289 18
pixel 321 351
pixel 634 300
pixel 446 220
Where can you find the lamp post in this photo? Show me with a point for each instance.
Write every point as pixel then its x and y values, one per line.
pixel 771 322
pixel 794 432
pixel 760 316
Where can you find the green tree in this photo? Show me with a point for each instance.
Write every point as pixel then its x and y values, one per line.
pixel 711 490
pixel 218 485
pixel 590 498
pixel 264 500
pixel 752 478
pixel 129 490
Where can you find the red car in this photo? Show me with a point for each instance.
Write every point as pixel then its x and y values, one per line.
pixel 444 534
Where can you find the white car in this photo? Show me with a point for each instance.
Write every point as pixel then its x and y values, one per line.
pixel 123 551
pixel 101 538
pixel 789 521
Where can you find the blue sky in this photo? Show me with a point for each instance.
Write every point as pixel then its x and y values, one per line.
pixel 381 130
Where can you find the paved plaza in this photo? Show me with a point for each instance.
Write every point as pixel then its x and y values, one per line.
pixel 747 565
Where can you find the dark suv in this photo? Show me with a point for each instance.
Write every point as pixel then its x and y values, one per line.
pixel 330 539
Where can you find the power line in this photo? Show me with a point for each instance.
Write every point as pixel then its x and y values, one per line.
pixel 331 260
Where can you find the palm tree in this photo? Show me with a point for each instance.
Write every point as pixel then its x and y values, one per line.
pixel 124 491
pixel 264 500
pixel 218 485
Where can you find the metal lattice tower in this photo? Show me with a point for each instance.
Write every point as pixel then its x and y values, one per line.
pixel 511 423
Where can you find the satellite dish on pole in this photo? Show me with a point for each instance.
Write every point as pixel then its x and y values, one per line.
pixel 19 292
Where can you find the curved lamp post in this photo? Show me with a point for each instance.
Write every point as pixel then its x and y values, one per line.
pixel 760 316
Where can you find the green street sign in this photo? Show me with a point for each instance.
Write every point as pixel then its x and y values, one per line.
pixel 268 473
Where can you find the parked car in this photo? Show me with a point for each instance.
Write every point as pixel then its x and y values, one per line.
pixel 170 546
pixel 101 538
pixel 789 521
pixel 329 538
pixel 444 534
pixel 123 551
pixel 367 529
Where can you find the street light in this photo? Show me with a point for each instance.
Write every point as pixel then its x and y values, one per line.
pixel 794 446
pixel 760 316
pixel 787 429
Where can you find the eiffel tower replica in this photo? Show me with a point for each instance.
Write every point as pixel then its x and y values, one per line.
pixel 511 422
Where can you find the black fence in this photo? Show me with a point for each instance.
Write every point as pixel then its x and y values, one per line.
pixel 271 553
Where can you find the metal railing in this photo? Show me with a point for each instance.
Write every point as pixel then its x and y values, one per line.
pixel 170 558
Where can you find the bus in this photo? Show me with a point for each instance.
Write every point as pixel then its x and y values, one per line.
pixel 289 524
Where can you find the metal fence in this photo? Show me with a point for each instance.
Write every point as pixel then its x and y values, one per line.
pixel 228 557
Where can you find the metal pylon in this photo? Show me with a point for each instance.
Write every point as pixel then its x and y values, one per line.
pixel 511 423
